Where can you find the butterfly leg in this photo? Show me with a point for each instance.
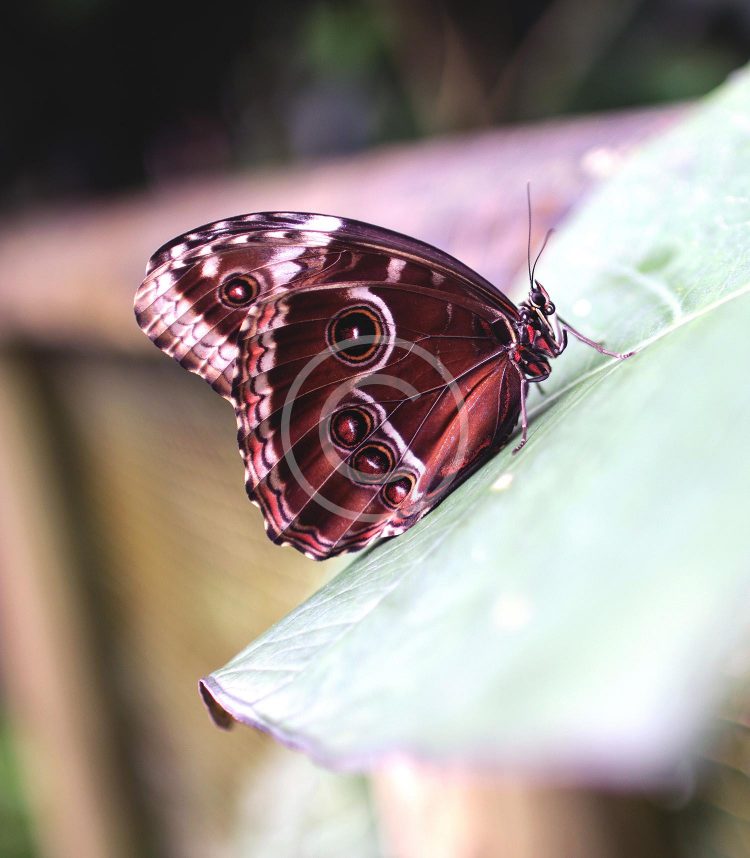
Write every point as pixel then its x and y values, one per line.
pixel 594 345
pixel 524 415
pixel 525 382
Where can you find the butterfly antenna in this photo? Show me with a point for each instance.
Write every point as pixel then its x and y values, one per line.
pixel 544 244
pixel 528 248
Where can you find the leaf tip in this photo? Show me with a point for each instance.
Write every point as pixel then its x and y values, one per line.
pixel 218 713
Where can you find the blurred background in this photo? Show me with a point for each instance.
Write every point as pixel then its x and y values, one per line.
pixel 106 96
pixel 131 562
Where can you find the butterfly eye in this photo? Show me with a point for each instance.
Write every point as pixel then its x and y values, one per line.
pixel 350 427
pixel 239 290
pixel 537 299
pixel 396 491
pixel 549 309
pixel 361 328
pixel 372 463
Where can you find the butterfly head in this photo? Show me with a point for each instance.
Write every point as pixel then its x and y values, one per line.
pixel 539 311
pixel 537 330
pixel 542 309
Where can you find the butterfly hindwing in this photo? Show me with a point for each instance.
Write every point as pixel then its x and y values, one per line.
pixel 343 443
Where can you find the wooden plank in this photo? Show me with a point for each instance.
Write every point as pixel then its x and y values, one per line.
pixel 73 787
pixel 69 276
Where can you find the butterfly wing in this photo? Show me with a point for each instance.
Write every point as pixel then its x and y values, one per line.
pixel 191 303
pixel 349 435
pixel 369 371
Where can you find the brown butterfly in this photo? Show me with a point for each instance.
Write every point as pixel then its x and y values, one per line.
pixel 370 372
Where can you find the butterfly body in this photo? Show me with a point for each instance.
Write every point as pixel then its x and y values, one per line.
pixel 369 372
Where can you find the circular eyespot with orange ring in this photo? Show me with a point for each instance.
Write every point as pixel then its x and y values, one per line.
pixel 397 490
pixel 372 463
pixel 238 290
pixel 350 426
pixel 356 335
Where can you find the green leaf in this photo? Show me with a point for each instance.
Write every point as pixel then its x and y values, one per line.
pixel 568 609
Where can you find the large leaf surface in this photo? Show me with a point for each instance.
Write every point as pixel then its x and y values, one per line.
pixel 569 609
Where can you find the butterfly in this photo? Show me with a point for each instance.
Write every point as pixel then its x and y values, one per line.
pixel 369 372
